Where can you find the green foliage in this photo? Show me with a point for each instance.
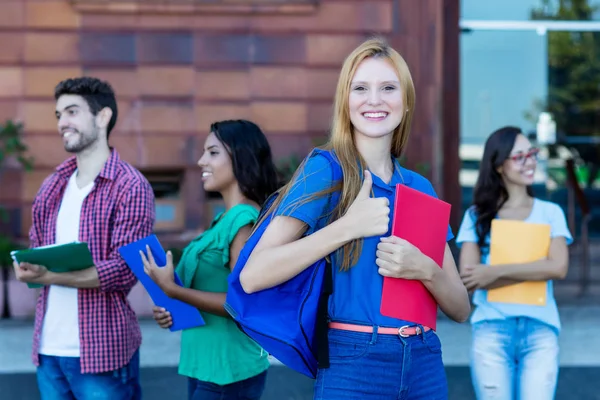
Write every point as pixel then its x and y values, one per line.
pixel 319 141
pixel 287 166
pixel 11 146
pixel 573 69
pixel 6 246
pixel 423 168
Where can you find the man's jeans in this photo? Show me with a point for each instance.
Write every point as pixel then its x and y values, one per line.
pixel 514 359
pixel 59 378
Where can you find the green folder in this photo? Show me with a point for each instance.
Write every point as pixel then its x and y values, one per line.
pixel 59 258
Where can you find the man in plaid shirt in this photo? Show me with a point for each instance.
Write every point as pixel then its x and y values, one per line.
pixel 87 338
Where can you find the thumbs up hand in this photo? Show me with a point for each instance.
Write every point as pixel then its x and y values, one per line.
pixel 368 216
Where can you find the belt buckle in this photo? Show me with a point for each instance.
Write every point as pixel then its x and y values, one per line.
pixel 404 335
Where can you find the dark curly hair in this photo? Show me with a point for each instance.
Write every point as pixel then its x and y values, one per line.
pixel 490 194
pixel 98 95
pixel 251 157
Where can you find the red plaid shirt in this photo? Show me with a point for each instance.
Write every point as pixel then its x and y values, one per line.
pixel 118 211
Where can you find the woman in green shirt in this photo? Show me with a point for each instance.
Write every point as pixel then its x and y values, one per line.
pixel 220 361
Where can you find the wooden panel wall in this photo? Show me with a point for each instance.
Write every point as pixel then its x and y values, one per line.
pixel 175 72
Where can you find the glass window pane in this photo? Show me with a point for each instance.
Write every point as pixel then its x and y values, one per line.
pixel 508 77
pixel 524 10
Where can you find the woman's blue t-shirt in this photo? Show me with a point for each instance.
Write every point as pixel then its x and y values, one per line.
pixel 356 294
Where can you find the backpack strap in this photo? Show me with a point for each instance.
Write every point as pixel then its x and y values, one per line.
pixel 322 327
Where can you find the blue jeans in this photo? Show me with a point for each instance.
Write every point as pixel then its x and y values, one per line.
pixel 60 378
pixel 368 366
pixel 248 389
pixel 514 359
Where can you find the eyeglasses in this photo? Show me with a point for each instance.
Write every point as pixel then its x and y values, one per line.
pixel 521 158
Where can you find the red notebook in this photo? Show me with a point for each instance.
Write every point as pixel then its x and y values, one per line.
pixel 422 220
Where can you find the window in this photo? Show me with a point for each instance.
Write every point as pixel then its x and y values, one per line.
pixel 170 206
pixel 521 59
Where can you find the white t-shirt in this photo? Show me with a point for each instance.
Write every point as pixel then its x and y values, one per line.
pixel 60 330
pixel 543 212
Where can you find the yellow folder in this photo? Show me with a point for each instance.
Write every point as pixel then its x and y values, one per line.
pixel 518 242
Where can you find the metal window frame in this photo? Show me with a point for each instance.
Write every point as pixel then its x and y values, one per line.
pixel 541 26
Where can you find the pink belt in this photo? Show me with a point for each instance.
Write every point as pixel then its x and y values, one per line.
pixel 404 331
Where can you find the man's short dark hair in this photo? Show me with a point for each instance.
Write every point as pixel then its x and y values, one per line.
pixel 98 95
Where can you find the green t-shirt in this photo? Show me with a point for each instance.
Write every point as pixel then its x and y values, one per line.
pixel 218 352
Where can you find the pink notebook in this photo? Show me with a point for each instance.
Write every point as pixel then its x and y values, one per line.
pixel 423 221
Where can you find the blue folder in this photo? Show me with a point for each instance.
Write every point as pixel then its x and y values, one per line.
pixel 184 315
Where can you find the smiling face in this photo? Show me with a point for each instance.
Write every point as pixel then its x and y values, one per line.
pixel 376 100
pixel 519 167
pixel 76 123
pixel 217 169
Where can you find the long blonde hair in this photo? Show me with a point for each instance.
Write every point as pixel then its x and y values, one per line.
pixel 341 138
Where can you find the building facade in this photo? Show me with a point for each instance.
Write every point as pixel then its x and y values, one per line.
pixel 179 65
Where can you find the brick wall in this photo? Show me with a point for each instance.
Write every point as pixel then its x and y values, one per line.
pixel 178 66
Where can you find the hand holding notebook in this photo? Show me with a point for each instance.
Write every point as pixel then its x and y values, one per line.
pixel 423 221
pixel 57 258
pixel 518 242
pixel 399 258
pixel 184 315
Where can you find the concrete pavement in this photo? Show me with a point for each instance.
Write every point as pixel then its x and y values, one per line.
pixel 579 377
pixel 579 341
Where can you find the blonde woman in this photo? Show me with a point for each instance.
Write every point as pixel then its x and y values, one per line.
pixel 371 356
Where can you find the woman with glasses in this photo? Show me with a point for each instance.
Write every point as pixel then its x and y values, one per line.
pixel 514 354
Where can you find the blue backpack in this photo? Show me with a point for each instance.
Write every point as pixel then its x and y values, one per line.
pixel 289 320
